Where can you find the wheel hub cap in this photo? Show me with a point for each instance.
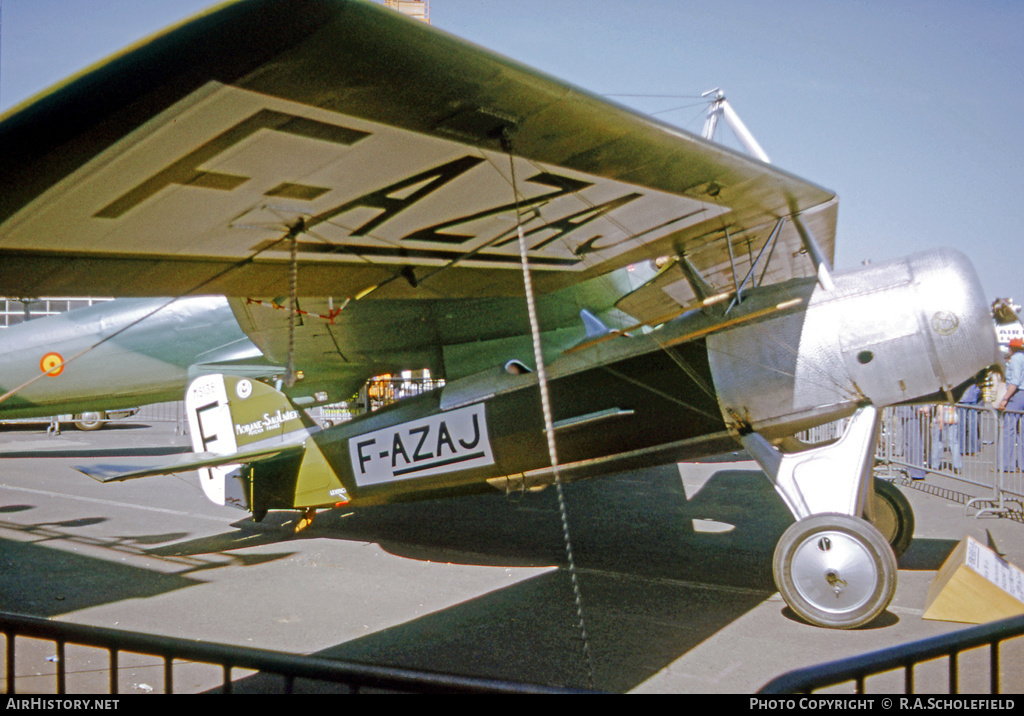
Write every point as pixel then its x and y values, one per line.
pixel 834 572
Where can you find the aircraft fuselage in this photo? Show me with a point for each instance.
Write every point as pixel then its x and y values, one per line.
pixel 786 358
pixel 130 365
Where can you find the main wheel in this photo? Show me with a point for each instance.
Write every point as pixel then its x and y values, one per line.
pixel 893 516
pixel 835 570
pixel 90 421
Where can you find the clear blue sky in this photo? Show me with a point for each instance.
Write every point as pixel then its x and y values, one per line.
pixel 912 110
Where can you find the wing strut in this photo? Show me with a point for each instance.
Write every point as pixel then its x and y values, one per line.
pixel 732 263
pixel 720 107
pixel 293 298
pixel 701 288
pixel 768 261
pixel 821 262
pixel 738 298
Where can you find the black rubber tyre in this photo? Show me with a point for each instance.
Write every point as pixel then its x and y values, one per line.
pixel 893 516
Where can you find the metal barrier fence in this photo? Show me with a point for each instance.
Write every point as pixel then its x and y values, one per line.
pixel 976 445
pixel 176 653
pixel 374 395
pixel 173 412
pixel 973 444
pixel 383 391
pixel 1003 673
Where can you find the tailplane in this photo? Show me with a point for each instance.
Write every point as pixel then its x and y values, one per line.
pixel 253 449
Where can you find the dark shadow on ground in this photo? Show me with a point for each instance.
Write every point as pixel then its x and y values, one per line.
pixel 652 587
pixel 38 579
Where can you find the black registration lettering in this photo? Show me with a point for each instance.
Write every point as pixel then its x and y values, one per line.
pixel 390 201
pixel 422 432
pixel 476 435
pixel 363 459
pixel 186 171
pixel 398 448
pixel 444 438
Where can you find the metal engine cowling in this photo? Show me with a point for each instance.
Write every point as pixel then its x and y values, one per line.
pixel 884 334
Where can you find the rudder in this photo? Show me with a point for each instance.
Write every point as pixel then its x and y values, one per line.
pixel 227 415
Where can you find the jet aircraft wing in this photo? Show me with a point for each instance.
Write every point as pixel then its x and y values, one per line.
pixel 391 157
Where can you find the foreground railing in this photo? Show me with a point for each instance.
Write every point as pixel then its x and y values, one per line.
pixel 290 667
pixel 907 656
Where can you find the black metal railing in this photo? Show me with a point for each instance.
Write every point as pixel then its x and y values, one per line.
pixel 906 656
pixel 354 676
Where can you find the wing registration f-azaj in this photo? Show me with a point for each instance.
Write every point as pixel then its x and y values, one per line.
pixel 389 169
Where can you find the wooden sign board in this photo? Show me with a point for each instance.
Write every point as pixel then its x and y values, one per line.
pixel 975 585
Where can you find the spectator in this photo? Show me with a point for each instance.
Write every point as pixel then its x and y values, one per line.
pixel 1013 402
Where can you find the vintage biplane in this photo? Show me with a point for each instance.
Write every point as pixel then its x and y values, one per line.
pixel 394 178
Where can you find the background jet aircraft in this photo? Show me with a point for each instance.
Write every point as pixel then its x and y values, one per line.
pixel 426 184
pixel 120 354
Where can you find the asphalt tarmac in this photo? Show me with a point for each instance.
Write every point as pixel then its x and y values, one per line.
pixel 673 563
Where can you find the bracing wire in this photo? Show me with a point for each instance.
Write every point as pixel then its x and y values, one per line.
pixel 549 429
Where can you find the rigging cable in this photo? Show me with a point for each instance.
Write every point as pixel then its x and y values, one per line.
pixel 549 429
pixel 293 299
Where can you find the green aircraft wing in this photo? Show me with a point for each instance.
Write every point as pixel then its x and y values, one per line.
pixel 392 157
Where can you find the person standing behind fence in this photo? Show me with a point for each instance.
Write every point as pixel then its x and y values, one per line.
pixel 945 435
pixel 913 421
pixel 970 429
pixel 1013 400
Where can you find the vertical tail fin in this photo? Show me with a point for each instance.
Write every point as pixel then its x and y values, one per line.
pixel 226 415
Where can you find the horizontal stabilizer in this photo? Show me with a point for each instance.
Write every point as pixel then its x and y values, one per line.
pixel 119 472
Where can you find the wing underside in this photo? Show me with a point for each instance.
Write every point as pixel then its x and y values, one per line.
pixel 395 160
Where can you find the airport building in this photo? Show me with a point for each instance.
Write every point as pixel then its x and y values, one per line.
pixel 419 9
pixel 18 310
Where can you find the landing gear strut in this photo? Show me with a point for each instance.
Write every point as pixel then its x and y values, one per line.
pixel 833 568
